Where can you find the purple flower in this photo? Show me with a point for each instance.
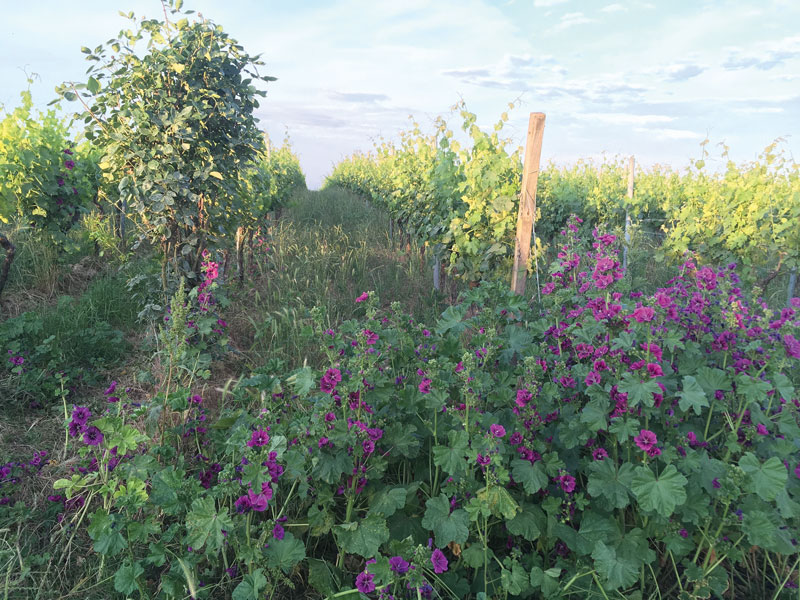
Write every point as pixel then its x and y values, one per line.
pixel 797 471
pixel 70 164
pixel 258 438
pixel 567 483
pixel 362 297
pixel 643 314
pixel 76 429
pixel 683 533
pixel 599 454
pixel 716 484
pixel 497 431
pixel 278 531
pixel 761 429
pixel 258 502
pixel 81 414
pixel 516 438
pixel 439 561
pixel 369 446
pixel 425 386
pixel 110 389
pixel 646 440
pixel 483 460
pixel 365 583
pixel 242 505
pixel 398 565
pixel 523 397
pixel 792 345
pixel 592 378
pixel 654 370
pixel 92 436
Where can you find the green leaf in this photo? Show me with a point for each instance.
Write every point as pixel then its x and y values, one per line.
pixel 363 537
pixel 216 174
pixel 446 526
pixel 204 525
pixel 755 390
pixel 765 479
pixel 711 380
pixel 527 523
pixel 286 553
pixel 594 414
pixel 330 467
pixel 403 439
pixel 106 531
pixel 617 572
pixel 692 396
pixel 661 494
pixel 531 476
pixel 250 587
pixel 612 484
pixel 126 575
pixel 388 501
pixel 452 458
pixel 499 501
pixel 639 392
pixel 93 85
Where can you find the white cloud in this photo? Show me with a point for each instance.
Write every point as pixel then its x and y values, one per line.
pixel 570 20
pixel 765 56
pixel 616 7
pixel 670 134
pixel 548 3
pixel 625 118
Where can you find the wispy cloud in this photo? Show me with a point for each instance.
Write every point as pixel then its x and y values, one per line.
pixel 616 7
pixel 571 20
pixel 766 57
pixel 359 97
pixel 548 3
pixel 670 134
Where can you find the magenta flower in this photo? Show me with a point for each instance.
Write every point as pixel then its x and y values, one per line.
pixel 259 438
pixel 398 565
pixel 497 431
pixel 110 389
pixel 242 504
pixel 592 378
pixel 70 164
pixel 523 397
pixel 81 414
pixel 92 436
pixel 372 337
pixel 369 446
pixel 363 297
pixel 459 367
pixel 483 460
pixel 646 440
pixel 792 345
pixel 76 429
pixel 258 502
pixel 797 471
pixel 365 583
pixel 425 386
pixel 643 314
pixel 439 561
pixel 599 454
pixel 761 429
pixel 278 532
pixel 567 483
pixel 654 370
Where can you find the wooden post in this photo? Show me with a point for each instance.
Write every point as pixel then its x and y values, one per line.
pixel 437 265
pixel 789 292
pixel 527 202
pixel 631 167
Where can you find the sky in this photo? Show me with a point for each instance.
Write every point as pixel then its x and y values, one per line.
pixel 651 79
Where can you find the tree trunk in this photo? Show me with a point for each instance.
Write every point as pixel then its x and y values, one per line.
pixel 11 250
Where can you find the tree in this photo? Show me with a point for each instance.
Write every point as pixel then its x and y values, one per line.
pixel 176 127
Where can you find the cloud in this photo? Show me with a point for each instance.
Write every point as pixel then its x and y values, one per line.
pixel 359 97
pixel 766 57
pixel 616 7
pixel 625 118
pixel 670 134
pixel 548 3
pixel 682 72
pixel 570 20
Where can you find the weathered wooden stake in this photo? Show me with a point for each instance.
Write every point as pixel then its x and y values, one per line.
pixel 437 265
pixel 789 292
pixel 527 202
pixel 631 167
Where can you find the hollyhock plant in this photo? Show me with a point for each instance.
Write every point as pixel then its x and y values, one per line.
pixel 439 561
